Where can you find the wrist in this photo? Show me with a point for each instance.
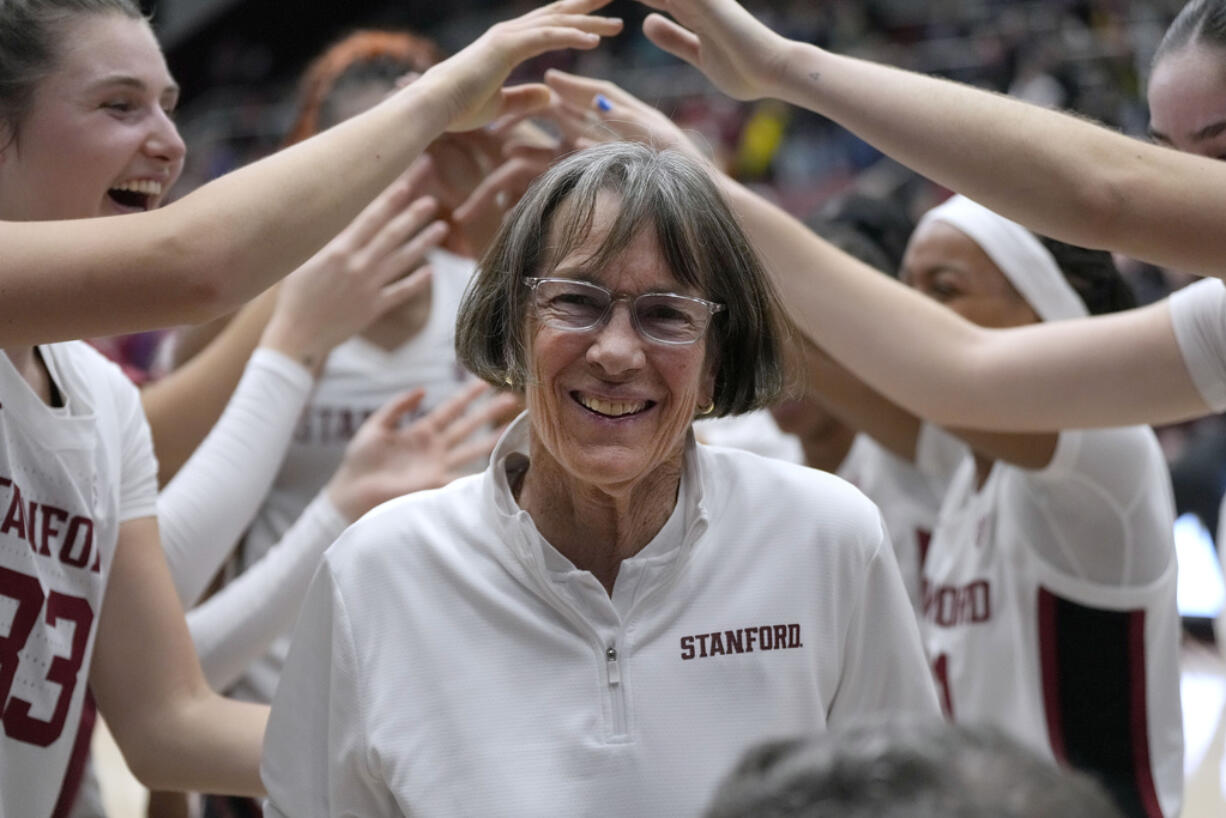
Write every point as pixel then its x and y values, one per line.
pixel 802 68
pixel 295 344
pixel 346 503
pixel 426 103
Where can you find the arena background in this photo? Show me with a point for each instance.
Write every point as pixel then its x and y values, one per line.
pixel 238 60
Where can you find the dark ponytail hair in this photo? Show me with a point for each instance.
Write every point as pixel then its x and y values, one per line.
pixel 1093 274
pixel 1200 21
pixel 30 32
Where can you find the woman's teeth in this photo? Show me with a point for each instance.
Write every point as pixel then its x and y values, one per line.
pixel 613 408
pixel 137 193
pixel 150 187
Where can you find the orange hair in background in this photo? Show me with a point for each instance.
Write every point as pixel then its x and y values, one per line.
pixel 407 52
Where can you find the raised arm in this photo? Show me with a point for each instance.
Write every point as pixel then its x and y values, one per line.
pixel 357 277
pixel 384 460
pixel 219 246
pixel 175 733
pixel 1108 370
pixel 1119 369
pixel 1059 175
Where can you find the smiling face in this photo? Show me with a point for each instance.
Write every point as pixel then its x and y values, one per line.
pixel 1187 100
pixel 98 139
pixel 608 407
pixel 945 264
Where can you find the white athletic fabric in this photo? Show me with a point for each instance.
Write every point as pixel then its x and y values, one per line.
pixel 754 432
pixel 1198 313
pixel 210 501
pixel 68 478
pixel 908 494
pixel 235 626
pixel 449 661
pixel 1028 265
pixel 358 378
pixel 1018 568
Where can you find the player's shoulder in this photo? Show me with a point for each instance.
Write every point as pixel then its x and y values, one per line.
pixel 734 478
pixel 90 374
pixel 1106 453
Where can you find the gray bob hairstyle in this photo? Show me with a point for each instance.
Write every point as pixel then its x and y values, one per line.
pixel 701 242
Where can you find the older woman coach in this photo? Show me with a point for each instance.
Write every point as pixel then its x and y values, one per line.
pixel 608 616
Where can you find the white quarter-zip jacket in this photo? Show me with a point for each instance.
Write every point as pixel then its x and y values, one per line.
pixel 449 661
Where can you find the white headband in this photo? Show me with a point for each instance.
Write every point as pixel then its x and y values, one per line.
pixel 1028 265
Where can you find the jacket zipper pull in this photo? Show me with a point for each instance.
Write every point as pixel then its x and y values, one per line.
pixel 615 674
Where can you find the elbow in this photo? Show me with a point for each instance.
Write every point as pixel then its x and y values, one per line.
pixel 149 766
pixel 199 271
pixel 1105 209
pixel 968 386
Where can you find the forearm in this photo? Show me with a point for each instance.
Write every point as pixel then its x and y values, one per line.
pixel 183 406
pixel 174 732
pixel 236 625
pixel 901 344
pixel 217 247
pixel 217 493
pixel 1059 175
pixel 212 745
pixel 858 405
pixel 1111 370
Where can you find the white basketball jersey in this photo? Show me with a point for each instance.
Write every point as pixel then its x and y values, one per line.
pixel 908 494
pixel 68 477
pixel 1049 611
pixel 358 378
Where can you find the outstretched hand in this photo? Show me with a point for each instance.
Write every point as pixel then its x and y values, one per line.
pixel 581 123
pixel 619 115
pixel 743 57
pixel 472 79
pixel 386 459
pixel 372 266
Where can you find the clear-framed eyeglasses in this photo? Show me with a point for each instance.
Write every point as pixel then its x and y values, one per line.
pixel 580 306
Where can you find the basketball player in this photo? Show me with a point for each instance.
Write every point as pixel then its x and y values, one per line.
pixel 228 241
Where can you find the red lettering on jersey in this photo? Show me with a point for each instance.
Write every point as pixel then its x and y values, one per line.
pixel 687 647
pixel 702 644
pixel 951 605
pixel 96 568
pixel 733 638
pixel 923 539
pixel 24 521
pixel 51 515
pixel 751 636
pixel 781 636
pixel 79 528
pixel 766 637
pixel 717 645
pixel 794 636
pixel 15 519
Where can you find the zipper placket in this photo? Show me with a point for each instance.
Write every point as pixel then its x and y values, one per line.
pixel 610 651
pixel 607 650
pixel 617 692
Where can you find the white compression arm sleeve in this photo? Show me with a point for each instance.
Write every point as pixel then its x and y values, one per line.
pixel 214 497
pixel 236 625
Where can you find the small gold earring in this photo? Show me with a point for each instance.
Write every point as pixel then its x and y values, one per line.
pixel 708 409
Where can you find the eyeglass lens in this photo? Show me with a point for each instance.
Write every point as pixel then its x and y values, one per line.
pixel 663 317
